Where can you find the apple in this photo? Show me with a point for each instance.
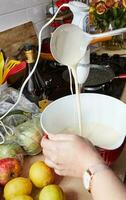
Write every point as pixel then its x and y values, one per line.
pixel 9 168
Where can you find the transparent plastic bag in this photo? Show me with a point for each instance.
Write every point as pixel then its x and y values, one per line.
pixel 9 96
pixel 12 150
pixel 20 114
pixel 29 134
pixel 17 117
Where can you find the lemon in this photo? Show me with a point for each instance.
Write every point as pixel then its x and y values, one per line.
pixel 17 186
pixel 22 197
pixel 51 192
pixel 40 174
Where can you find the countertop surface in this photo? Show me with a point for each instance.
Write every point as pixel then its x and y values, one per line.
pixel 73 187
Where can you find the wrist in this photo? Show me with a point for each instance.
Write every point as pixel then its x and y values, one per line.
pixel 94 160
pixel 90 173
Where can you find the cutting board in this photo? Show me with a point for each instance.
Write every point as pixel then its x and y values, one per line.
pixel 12 39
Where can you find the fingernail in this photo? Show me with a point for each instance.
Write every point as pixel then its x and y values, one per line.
pixel 46 136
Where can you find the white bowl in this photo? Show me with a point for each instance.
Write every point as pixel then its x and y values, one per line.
pixel 96 108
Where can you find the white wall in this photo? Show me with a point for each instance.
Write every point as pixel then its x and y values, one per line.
pixel 17 12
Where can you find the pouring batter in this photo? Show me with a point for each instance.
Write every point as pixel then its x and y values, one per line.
pixel 68 45
pixel 64 52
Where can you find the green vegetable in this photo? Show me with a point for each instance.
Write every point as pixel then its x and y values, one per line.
pixel 12 150
pixel 29 136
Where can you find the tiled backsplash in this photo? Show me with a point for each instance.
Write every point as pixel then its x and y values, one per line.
pixel 17 12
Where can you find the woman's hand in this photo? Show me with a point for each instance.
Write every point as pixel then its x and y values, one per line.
pixel 68 154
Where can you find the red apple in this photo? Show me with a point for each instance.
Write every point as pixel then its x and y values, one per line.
pixel 9 168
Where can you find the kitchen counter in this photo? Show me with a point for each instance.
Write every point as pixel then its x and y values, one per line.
pixel 73 187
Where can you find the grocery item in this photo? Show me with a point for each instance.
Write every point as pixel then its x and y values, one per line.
pixel 40 174
pixel 35 88
pixel 11 150
pixel 22 197
pixel 29 136
pixel 53 192
pixel 17 186
pixel 9 168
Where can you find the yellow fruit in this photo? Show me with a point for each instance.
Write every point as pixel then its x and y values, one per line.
pixel 22 197
pixel 40 174
pixel 17 186
pixel 51 192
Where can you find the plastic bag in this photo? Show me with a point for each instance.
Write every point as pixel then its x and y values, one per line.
pixel 20 114
pixel 12 150
pixel 9 96
pixel 29 134
pixel 16 117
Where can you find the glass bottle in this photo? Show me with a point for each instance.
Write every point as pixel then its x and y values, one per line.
pixel 35 88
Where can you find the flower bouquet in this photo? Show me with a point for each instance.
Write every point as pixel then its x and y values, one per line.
pixel 108 15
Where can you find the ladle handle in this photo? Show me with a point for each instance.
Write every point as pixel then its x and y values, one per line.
pixel 109 33
pixel 96 40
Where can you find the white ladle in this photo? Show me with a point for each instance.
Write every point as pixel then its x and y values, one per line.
pixel 69 43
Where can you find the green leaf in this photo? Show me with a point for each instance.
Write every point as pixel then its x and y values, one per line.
pixel 114 12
